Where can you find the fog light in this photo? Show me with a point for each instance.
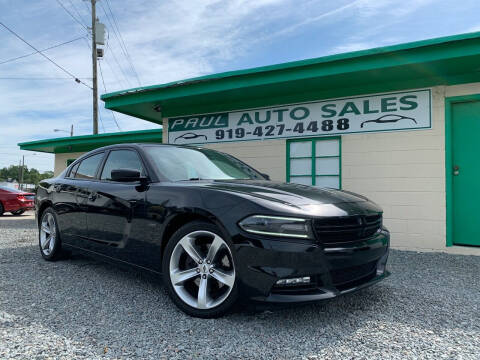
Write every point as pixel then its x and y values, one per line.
pixel 294 281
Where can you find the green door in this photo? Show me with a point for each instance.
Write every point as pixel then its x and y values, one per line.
pixel 465 172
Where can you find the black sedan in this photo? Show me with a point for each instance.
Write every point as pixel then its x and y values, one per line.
pixel 218 230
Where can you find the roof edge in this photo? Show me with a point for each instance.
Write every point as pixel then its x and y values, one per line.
pixel 300 63
pixel 88 137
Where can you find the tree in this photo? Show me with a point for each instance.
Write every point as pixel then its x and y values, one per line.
pixel 30 176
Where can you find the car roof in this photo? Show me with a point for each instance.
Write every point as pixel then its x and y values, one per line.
pixel 140 145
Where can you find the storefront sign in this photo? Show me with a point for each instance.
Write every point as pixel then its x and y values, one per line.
pixel 386 112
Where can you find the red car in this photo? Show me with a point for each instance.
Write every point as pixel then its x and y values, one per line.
pixel 15 201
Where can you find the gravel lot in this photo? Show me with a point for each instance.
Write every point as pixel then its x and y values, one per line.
pixel 80 308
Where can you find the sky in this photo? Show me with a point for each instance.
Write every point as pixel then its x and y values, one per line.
pixel 173 40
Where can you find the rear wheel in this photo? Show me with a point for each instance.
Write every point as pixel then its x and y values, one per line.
pixel 49 236
pixel 1 209
pixel 18 212
pixel 199 270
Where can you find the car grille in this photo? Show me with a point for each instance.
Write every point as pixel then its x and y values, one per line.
pixel 339 230
pixel 344 278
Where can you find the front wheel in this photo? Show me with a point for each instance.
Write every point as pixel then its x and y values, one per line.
pixel 199 270
pixel 49 236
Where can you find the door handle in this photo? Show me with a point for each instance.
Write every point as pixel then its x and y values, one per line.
pixel 456 170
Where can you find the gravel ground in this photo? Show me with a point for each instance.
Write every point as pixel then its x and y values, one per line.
pixel 80 308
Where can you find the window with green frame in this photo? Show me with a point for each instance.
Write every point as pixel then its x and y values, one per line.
pixel 315 161
pixel 69 161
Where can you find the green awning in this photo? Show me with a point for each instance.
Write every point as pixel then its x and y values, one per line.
pixel 443 61
pixel 89 142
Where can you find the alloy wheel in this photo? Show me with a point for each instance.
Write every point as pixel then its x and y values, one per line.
pixel 202 271
pixel 47 234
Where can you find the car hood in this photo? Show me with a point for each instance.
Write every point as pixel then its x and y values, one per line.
pixel 298 198
pixel 295 194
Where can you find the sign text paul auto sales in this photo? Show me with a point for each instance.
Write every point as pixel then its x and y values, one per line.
pixel 386 112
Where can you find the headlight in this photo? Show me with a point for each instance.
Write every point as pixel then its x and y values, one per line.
pixel 277 226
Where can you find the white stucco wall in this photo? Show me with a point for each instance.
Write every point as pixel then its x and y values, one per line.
pixel 61 161
pixel 404 172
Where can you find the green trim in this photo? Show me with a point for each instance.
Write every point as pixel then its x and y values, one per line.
pixel 69 161
pixel 85 143
pixel 449 101
pixel 300 63
pixel 443 61
pixel 316 157
pixel 313 158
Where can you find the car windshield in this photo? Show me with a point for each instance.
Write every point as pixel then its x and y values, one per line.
pixel 179 164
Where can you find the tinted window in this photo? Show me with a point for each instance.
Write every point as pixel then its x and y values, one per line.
pixel 177 164
pixel 121 159
pixel 88 167
pixel 73 170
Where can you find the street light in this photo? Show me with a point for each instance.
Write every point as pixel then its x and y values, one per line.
pixel 71 130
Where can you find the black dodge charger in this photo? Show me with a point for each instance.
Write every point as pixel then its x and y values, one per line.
pixel 217 229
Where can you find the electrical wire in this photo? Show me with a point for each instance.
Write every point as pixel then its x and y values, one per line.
pixel 45 56
pixel 39 78
pixel 105 88
pixel 118 35
pixel 118 64
pixel 76 10
pixel 71 15
pixel 101 120
pixel 36 52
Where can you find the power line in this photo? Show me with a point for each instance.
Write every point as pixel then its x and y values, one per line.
pixel 36 52
pixel 126 81
pixel 76 10
pixel 39 78
pixel 118 64
pixel 105 88
pixel 88 8
pixel 113 72
pixel 72 16
pixel 121 41
pixel 45 56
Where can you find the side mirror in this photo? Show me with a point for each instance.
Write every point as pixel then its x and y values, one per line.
pixel 126 175
pixel 266 176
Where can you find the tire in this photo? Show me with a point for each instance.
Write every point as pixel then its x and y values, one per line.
pixel 46 228
pixel 212 271
pixel 18 212
pixel 1 209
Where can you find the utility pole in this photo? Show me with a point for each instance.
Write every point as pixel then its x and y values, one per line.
pixel 94 67
pixel 21 172
pixel 71 130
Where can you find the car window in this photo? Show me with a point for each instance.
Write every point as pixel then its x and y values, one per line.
pixel 73 170
pixel 88 167
pixel 121 159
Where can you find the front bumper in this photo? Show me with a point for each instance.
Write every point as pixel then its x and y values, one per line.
pixel 333 271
